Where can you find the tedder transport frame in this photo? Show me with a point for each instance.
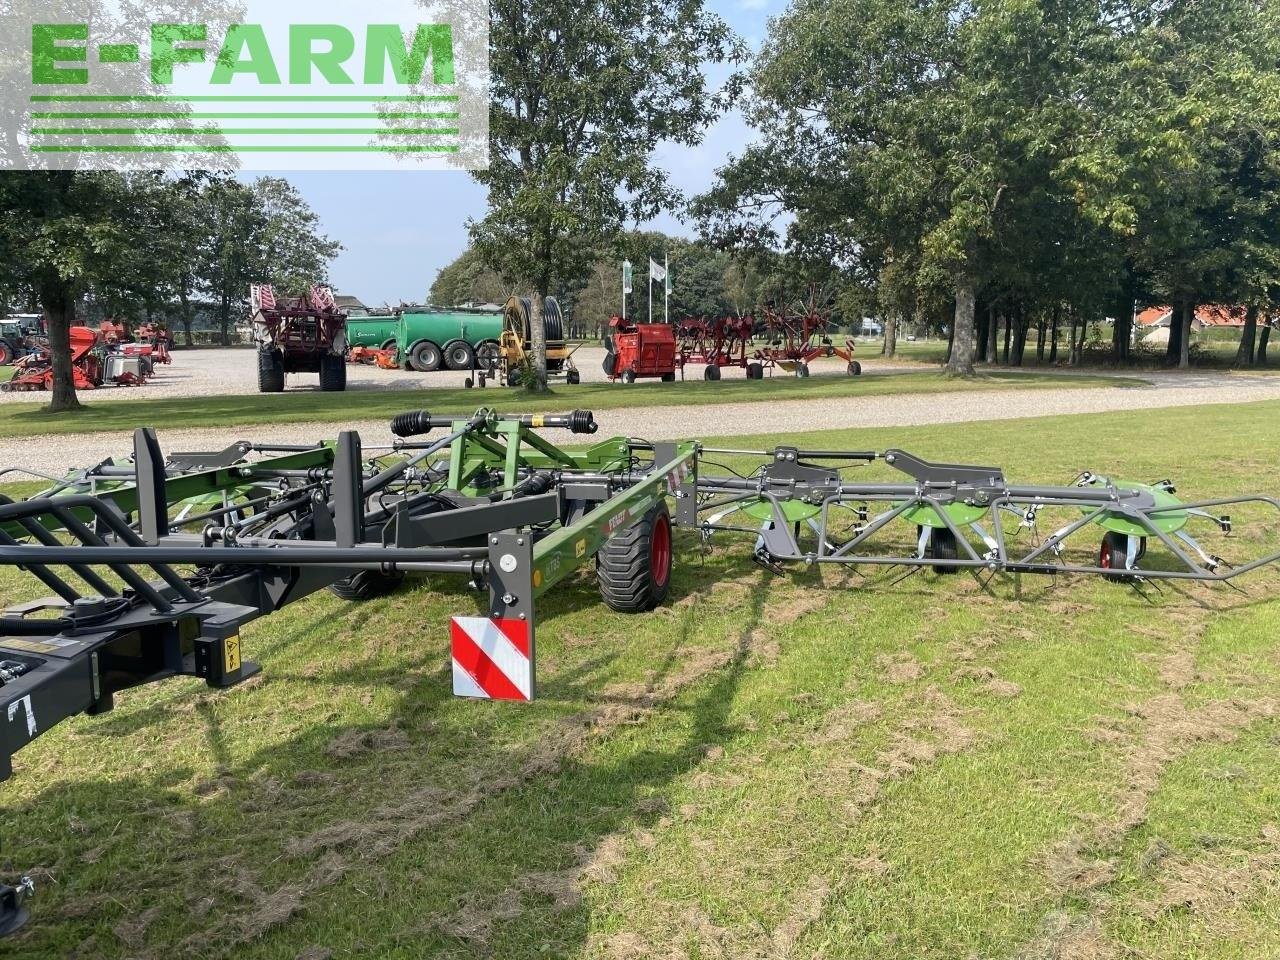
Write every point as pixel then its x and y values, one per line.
pixel 156 563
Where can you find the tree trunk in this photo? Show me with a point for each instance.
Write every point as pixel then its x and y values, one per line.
pixel 1084 334
pixel 1020 338
pixel 890 346
pixel 1053 334
pixel 1263 337
pixel 1244 355
pixel 963 334
pixel 1122 332
pixel 538 339
pixel 984 329
pixel 1040 325
pixel 224 320
pixel 187 317
pixel 1184 348
pixel 992 336
pixel 59 307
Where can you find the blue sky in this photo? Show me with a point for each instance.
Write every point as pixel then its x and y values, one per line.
pixel 399 229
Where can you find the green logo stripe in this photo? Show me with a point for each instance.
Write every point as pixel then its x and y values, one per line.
pixel 287 131
pixel 266 115
pixel 246 148
pixel 152 98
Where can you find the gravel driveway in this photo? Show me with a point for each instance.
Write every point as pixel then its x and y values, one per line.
pixel 53 454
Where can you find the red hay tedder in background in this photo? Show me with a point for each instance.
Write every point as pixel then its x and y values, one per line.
pixel 94 363
pixel 792 341
pixel 723 342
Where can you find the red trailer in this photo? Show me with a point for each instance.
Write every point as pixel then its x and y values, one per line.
pixel 306 334
pixel 640 350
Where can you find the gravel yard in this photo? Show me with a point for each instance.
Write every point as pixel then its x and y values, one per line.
pixel 53 454
pixel 208 373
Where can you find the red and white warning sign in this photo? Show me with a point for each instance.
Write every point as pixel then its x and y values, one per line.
pixel 491 658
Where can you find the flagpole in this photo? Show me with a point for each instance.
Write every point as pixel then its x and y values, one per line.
pixel 666 287
pixel 650 292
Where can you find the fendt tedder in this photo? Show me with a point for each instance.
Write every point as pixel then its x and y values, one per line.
pixel 156 563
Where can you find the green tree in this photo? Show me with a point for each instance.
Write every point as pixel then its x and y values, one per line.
pixel 64 233
pixel 581 98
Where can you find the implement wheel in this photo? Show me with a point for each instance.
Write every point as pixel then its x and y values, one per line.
pixel 1114 553
pixel 854 368
pixel 425 357
pixel 711 373
pixel 943 546
pixel 633 568
pixel 365 585
pixel 802 370
pixel 755 371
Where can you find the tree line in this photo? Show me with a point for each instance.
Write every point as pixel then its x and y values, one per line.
pixel 144 246
pixel 1021 167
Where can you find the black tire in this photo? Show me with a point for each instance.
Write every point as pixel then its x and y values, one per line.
pixel 755 371
pixel 487 354
pixel 6 354
pixel 669 377
pixel 270 371
pixel 854 368
pixel 425 357
pixel 943 546
pixel 390 344
pixel 459 355
pixel 629 566
pixel 711 372
pixel 513 378
pixel 610 361
pixel 1112 556
pixel 365 585
pixel 333 373
pixel 628 376
pixel 802 370
pixel 572 378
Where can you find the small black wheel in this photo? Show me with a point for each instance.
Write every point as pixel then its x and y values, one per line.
pixel 458 355
pixel 755 371
pixel 669 377
pixel 1114 555
pixel 365 585
pixel 513 378
pixel 425 357
pixel 854 368
pixel 711 373
pixel 468 383
pixel 802 370
pixel 572 377
pixel 270 370
pixel 628 376
pixel 487 354
pixel 633 567
pixel 610 362
pixel 943 546
pixel 390 344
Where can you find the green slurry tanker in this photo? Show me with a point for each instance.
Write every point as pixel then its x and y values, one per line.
pixel 455 339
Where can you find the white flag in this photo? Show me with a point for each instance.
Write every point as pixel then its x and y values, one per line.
pixel 656 271
pixel 626 276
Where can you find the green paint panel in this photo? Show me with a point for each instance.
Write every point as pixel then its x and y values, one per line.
pixel 1166 522
pixel 795 511
pixel 960 514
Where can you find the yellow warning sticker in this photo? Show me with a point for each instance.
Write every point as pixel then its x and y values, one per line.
pixel 537 578
pixel 231 653
pixel 538 420
pixel 580 548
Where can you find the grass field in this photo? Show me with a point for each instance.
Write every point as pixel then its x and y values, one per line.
pixel 806 766
pixel 27 420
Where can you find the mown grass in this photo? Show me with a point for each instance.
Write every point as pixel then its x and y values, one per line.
pixel 810 765
pixel 18 420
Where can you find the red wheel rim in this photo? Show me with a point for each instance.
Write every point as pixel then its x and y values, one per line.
pixel 660 551
pixel 1104 556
